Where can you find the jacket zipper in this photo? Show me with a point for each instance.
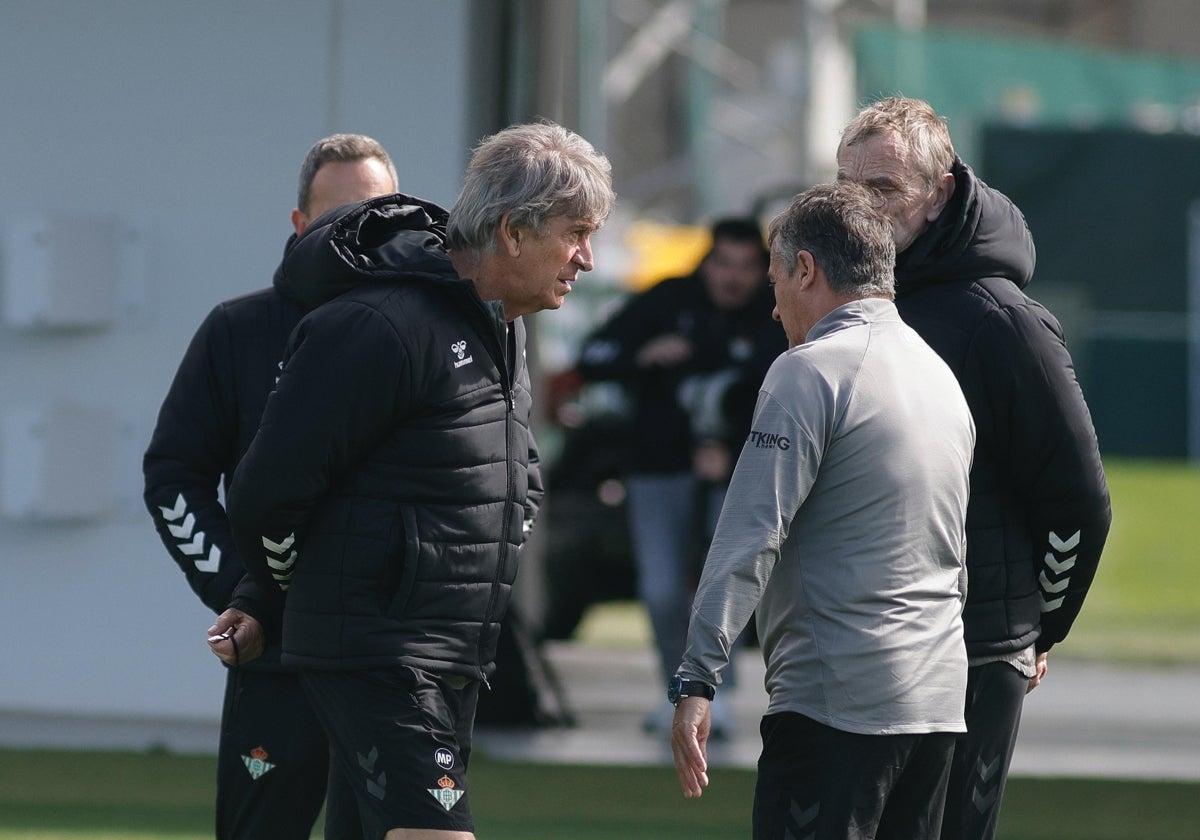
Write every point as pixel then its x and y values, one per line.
pixel 506 382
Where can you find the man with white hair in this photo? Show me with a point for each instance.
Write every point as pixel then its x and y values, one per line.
pixel 389 487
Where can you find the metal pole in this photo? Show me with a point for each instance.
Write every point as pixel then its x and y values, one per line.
pixel 1193 332
pixel 707 23
pixel 593 56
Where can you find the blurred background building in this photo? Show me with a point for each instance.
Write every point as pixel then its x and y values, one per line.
pixel 151 159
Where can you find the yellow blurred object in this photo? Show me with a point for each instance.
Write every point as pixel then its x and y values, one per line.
pixel 658 251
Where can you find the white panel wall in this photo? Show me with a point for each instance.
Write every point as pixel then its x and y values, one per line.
pixel 185 124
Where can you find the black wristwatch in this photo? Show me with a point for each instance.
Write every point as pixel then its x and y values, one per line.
pixel 678 687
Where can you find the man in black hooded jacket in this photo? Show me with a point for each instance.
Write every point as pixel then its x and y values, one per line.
pixel 388 488
pixel 272 759
pixel 692 352
pixel 1039 509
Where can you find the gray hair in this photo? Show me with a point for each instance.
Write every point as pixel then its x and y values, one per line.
pixel 533 173
pixel 848 235
pixel 339 147
pixel 920 130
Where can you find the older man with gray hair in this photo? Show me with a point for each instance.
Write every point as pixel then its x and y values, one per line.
pixel 844 528
pixel 1039 508
pixel 393 478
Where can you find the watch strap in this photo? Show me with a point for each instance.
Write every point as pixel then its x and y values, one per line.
pixel 682 687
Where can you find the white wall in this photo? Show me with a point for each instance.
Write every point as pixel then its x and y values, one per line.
pixel 186 123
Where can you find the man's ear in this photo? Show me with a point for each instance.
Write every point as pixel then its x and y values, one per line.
pixel 299 221
pixel 806 269
pixel 942 194
pixel 510 236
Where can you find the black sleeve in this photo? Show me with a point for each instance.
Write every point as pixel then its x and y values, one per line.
pixel 340 391
pixel 610 352
pixel 194 440
pixel 1048 447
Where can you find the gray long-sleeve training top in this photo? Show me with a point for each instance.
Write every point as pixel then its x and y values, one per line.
pixel 844 525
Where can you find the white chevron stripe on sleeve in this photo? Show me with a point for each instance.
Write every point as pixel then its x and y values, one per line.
pixel 196 546
pixel 279 548
pixel 189 543
pixel 213 563
pixel 282 565
pixel 1059 566
pixel 1060 545
pixel 1049 586
pixel 183 530
pixel 171 514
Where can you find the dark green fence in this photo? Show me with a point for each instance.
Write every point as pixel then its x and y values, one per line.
pixel 1112 213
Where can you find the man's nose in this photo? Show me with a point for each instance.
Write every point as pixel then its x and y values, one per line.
pixel 583 254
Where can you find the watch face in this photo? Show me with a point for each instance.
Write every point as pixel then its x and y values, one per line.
pixel 673 687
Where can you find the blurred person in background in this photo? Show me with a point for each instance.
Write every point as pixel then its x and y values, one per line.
pixel 843 529
pixel 1039 512
pixel 383 503
pixel 692 352
pixel 273 757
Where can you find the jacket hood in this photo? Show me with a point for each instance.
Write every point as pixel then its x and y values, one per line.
pixel 277 280
pixel 384 239
pixel 980 233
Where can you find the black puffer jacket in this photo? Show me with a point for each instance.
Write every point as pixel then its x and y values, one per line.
pixel 389 481
pixel 1039 511
pixel 206 423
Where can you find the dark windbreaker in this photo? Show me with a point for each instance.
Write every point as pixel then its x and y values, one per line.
pixel 732 350
pixel 383 502
pixel 1039 511
pixel 205 425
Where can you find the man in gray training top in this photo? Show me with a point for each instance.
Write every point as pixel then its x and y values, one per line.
pixel 844 526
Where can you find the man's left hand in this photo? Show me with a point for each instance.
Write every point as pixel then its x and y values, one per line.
pixel 689 743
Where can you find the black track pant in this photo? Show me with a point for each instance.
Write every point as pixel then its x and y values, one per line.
pixel 273 759
pixel 820 783
pixel 995 694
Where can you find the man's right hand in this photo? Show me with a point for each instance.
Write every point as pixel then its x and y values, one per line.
pixel 236 637
pixel 1042 666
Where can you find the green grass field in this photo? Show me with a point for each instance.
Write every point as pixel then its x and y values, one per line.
pixel 1143 608
pixel 127 796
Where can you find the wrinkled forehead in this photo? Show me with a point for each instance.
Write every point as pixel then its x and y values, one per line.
pixel 877 149
pixel 584 213
pixel 562 222
pixel 881 162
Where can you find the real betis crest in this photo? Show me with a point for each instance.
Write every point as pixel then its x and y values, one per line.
pixel 256 763
pixel 446 794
